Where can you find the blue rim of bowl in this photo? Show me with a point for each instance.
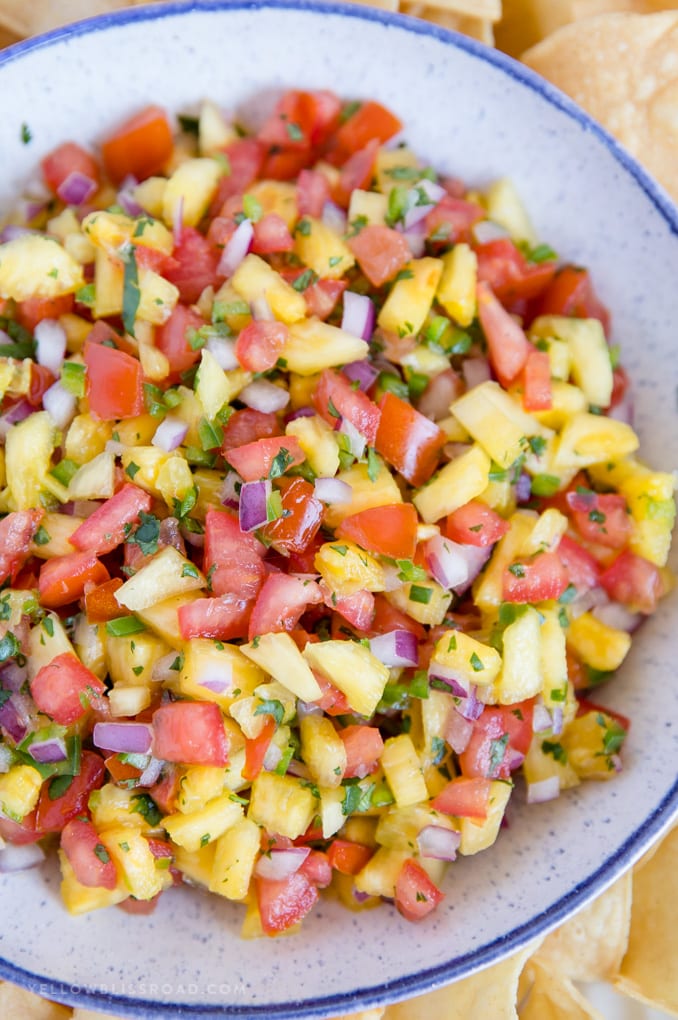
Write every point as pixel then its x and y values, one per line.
pixel 652 826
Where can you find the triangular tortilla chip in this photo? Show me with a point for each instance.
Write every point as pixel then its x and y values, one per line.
pixel 18 1004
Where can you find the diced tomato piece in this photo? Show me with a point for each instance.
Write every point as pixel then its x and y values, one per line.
pixel 388 618
pixel 284 164
pixel 363 746
pixel 190 732
pixel 285 903
pixel 602 518
pixel 451 220
pixel 302 516
pixel 348 858
pixel 121 771
pixel 245 158
pixel 380 251
pixel 620 385
pixel 582 570
pixel 255 460
pixel 221 619
pixel 313 190
pixel 16 534
pixel 101 604
pixel 256 748
pixel 410 442
pixel 196 265
pixel 165 791
pixel 107 526
pixel 63 687
pixel 68 158
pixel 103 333
pixel 291 123
pixel 464 798
pixel 317 869
pixel 507 344
pixel 87 855
pixel 281 603
pixel 172 338
pixel 260 344
pixel 357 609
pixel 21 833
pixel 475 523
pixel 53 812
pixel 33 310
pixel 542 577
pixel 138 907
pixel 141 146
pixel 114 382
pixel 247 426
pixel 497 733
pixel 537 390
pixel 63 579
pixel 41 380
pixel 334 396
pixel 333 701
pixel 388 530
pixel 415 894
pixel 356 173
pixel 505 269
pixel 370 121
pixel 321 297
pixel 571 293
pixel 271 235
pixel 633 581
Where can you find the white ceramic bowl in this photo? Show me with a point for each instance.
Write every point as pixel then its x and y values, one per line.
pixel 475 114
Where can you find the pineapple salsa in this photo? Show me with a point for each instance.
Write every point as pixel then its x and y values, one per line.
pixel 321 516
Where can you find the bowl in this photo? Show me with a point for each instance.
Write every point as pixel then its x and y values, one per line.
pixel 475 114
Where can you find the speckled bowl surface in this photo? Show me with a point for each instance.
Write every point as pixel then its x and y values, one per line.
pixel 475 114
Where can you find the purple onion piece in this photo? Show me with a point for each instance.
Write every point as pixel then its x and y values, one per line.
pixel 396 648
pixel 265 396
pixel 358 315
pixel 362 372
pixel 76 188
pixel 280 864
pixel 170 433
pixel 123 737
pixel 523 488
pixel 236 248
pixel 471 708
pixel 253 506
pixel 333 490
pixel 439 843
pixel 49 751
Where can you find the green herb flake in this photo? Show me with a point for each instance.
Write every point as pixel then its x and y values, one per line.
pixel 420 594
pixel 555 749
pixel 497 752
pixel 280 463
pixel 26 134
pixel 373 464
pixel 189 570
pixel 123 626
pixel 477 664
pixel 131 294
pixel 272 707
pixel 145 806
pixel 306 279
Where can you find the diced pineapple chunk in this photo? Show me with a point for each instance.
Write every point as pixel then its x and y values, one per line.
pixel 281 804
pixel 278 655
pixel 55 536
pixel 47 639
pixel 566 401
pixel 505 207
pixel 323 750
pixel 19 791
pixel 366 493
pixel 393 166
pixel 313 345
pixel 521 673
pixel 212 386
pixel 332 815
pixel 497 422
pixel 471 661
pixel 401 766
pixel 28 452
pixel 113 807
pixel 488 589
pixel 81 899
pixel 217 671
pixel 455 484
pixel 109 282
pixel 175 480
pixel 541 764
pixel 254 278
pixel 425 601
pixel 278 197
pixel 89 645
pixel 380 874
pixel 477 836
pixel 167 574
pixel 347 569
pixel 37 266
pixel 157 298
pixel 127 702
pixel 353 669
pixel 548 530
pixel 556 691
pixel 86 438
pixel 137 431
pixel 130 661
pixel 590 741
pixel 410 298
pixel 234 859
pixel 597 644
pixel 322 250
pixel 111 232
pixel 590 363
pixel 369 205
pixel 593 439
pixel 95 479
pixel 190 189
pixel 399 827
pixel 316 439
pixel 143 463
pixel 229 307
pixel 193 830
pixel 213 131
pixel 150 193
pixel 136 863
pixel 457 287
pixel 199 784
pixel 161 617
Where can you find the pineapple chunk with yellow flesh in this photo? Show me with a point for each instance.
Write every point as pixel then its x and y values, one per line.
pixel 278 655
pixel 137 431
pixel 162 618
pixel 593 439
pixel 556 691
pixel 322 250
pixel 143 463
pixel 545 762
pixel 230 308
pixel 189 191
pixel 353 669
pixel 313 345
pixel 559 357
pixel 215 670
pixel 195 829
pixel 281 804
pixel 130 661
pixel 212 385
pixel 167 574
pixel 332 816
pixel 399 827
pixel 590 364
pixel 235 855
pixel 566 401
pixel 95 479
pixel 46 640
pixel 380 874
pixel 254 278
pixel 521 674
pixel 497 422
pixel 214 134
pixel 15 377
pixel 410 299
pixel 650 498
pixel 401 766
pixel 457 287
pixel 323 750
pixel 174 481
pixel 471 661
pixel 28 451
pixel 81 899
pixel 598 645
pixel 394 165
pixel 33 266
pixel 316 439
pixel 58 528
pixel 279 197
pixel 157 298
pixel 368 205
pixel 455 484
pixel 111 232
pixel 197 866
pixel 19 791
pixel 488 589
pixel 425 361
pixel 88 640
pixel 425 601
pixel 135 863
pixel 109 283
pixel 591 741
pixel 549 528
pixel 346 568
pixel 209 485
pixel 126 702
pixel 365 493
pixel 505 207
pixel 113 807
pixel 86 438
pixel 477 836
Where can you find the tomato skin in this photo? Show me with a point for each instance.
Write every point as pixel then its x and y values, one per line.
pixel 571 293
pixel 388 530
pixel 507 344
pixel 100 602
pixel 283 904
pixel 271 235
pixel 222 619
pixel 247 426
pixel 195 265
pixel 232 559
pixel 16 534
pixel 141 146
pixel 348 858
pixel 334 390
pixel 357 609
pixel 407 440
pixel 52 815
pixel 190 732
pixel 503 266
pixel 170 338
pixel 245 157
pixel 281 603
pixel 107 526
pixel 480 757
pixel 57 688
pixel 322 296
pixel 582 570
pixel 114 383
pixel 633 581
pixel 415 894
pixel 21 833
pixel 333 701
pixel 256 748
pixel 302 516
pixel 603 519
pixel 543 577
pixel 80 841
pixel 356 173
pixel 260 343
pixel 62 580
pixel 380 252
pixel 363 746
pixel 66 159
pixel 254 460
pixel 451 220
pixel 313 191
pixel 477 524
pixel 370 121
pixel 317 869
pixel 537 391
pixel 41 380
pixel 387 618
pixel 33 310
pixel 464 798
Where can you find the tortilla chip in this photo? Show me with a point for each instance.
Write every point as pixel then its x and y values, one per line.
pixel 490 993
pixel 622 68
pixel 526 22
pixel 88 1014
pixel 554 997
pixel 18 1004
pixel 649 971
pixel 477 28
pixel 368 1014
pixel 30 17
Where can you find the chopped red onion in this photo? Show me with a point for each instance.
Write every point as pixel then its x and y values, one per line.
pixel 470 707
pixel 236 248
pixel 17 412
pixel 265 396
pixel 151 773
pixel 60 404
pixel 126 198
pixel 615 615
pixel 358 315
pixel 301 412
pixel 475 371
pixel 50 340
pixel 359 896
pixel 543 790
pixel 333 490
pixel 362 372
pixel 20 858
pixel 48 751
pixel 523 488
pixel 272 758
pixel 455 566
pixel 261 310
pixel 11 719
pixel 587 600
pixel 12 675
pixel 178 220
pixel 541 719
pixel 458 731
pixel 123 737
pixel 222 350
pixel 253 506
pixel 557 720
pixel 76 188
pixel 13 230
pixel 416 213
pixel 396 648
pixel 305 708
pixel 513 759
pixel 438 842
pixel 280 864
pixel 356 440
pixel 229 495
pixel 442 390
pixel 114 447
pixel 459 686
pixel 415 236
pixel 217 679
pixel 616 762
pixel 297 768
pixel 334 217
pixel 170 433
pixel 488 230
